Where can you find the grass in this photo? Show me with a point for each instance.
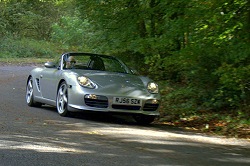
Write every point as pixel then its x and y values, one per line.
pixel 24 61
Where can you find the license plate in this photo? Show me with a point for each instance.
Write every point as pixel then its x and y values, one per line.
pixel 127 101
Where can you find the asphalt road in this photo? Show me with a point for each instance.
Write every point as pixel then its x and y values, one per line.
pixel 39 136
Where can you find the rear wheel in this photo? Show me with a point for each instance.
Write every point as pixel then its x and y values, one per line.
pixel 62 100
pixel 30 94
pixel 144 119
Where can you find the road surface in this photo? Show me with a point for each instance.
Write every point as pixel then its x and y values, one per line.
pixel 39 136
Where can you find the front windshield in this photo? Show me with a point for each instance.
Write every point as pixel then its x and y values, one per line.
pixel 94 62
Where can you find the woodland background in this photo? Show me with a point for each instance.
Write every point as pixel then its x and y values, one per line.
pixel 197 50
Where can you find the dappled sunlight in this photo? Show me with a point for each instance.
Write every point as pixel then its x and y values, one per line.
pixel 79 132
pixel 133 132
pixel 164 143
pixel 156 150
pixel 18 142
pixel 235 159
pixel 107 140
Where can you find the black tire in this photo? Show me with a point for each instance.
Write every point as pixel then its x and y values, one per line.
pixel 62 100
pixel 30 94
pixel 144 119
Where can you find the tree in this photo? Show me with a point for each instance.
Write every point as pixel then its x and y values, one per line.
pixel 26 18
pixel 192 43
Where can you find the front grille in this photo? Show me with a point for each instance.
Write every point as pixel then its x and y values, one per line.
pixel 150 107
pixel 96 103
pixel 126 107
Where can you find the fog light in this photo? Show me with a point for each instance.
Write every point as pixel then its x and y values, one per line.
pixel 155 101
pixel 91 96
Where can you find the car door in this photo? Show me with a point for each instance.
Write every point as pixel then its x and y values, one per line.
pixel 49 81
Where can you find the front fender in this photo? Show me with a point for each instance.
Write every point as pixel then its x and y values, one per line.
pixel 69 77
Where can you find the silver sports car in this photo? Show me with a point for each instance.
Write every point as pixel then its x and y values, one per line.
pixel 93 82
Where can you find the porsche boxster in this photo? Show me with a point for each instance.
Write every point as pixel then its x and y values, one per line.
pixel 93 82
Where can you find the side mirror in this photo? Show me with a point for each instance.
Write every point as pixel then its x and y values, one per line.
pixel 50 65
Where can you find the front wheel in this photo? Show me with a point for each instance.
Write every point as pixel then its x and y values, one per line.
pixel 144 119
pixel 62 100
pixel 30 94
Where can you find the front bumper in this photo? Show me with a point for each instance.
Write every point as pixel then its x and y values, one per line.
pixel 94 100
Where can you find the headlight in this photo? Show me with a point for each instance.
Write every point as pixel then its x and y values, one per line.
pixel 86 82
pixel 152 87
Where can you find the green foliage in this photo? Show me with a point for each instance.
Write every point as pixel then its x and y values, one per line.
pixel 234 89
pixel 30 19
pixel 70 33
pixel 198 50
pixel 22 48
pixel 178 101
pixel 201 46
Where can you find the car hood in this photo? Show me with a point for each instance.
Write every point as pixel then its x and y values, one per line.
pixel 119 83
pixel 110 78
